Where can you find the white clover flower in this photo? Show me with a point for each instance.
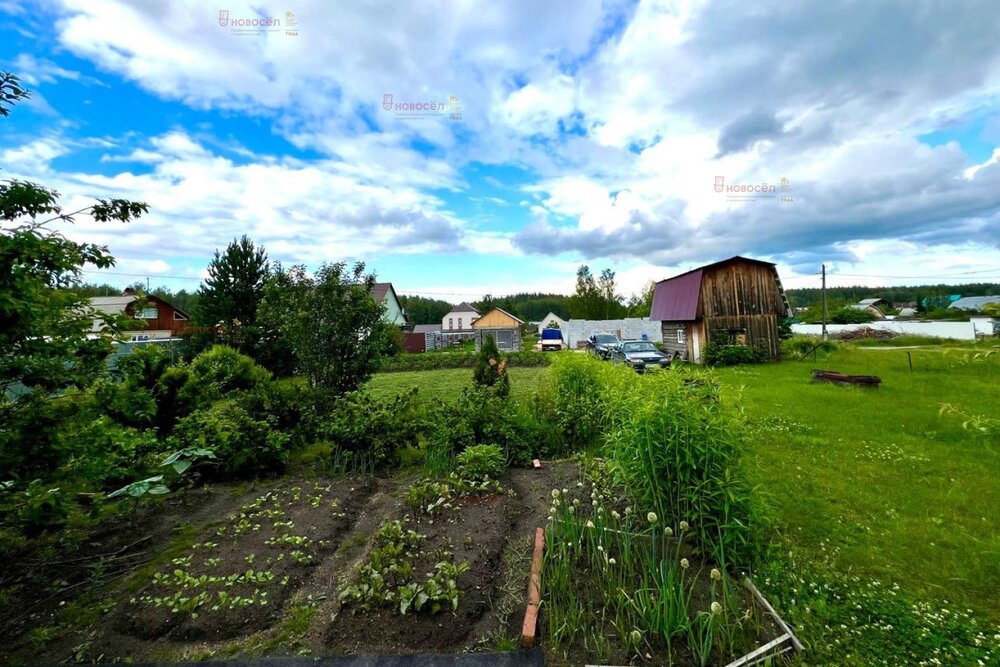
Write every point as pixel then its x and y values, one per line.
pixel 565 491
pixel 590 524
pixel 555 493
pixel 579 485
pixel 628 510
pixel 576 502
pixel 668 531
pixel 615 515
pixel 572 510
pixel 593 503
pixel 555 503
pixel 716 607
pixel 600 548
pixel 612 561
pixel 651 517
pixel 684 525
pixel 716 575
pixel 684 563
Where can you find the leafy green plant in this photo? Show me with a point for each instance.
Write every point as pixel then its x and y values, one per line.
pixel 221 370
pixel 181 460
pixel 480 463
pixel 243 446
pixel 151 486
pixel 717 354
pixel 388 578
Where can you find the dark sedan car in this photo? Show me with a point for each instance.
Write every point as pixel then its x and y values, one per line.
pixel 602 344
pixel 640 355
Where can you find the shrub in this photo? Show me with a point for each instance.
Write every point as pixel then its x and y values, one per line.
pixel 106 453
pixel 731 355
pixel 480 463
pixel 292 408
pixel 32 440
pixel 849 315
pixel 575 389
pixel 429 361
pixel 221 369
pixel 798 347
pixel 243 446
pixel 375 428
pixel 491 369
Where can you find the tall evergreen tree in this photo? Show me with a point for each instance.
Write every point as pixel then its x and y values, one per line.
pixel 231 294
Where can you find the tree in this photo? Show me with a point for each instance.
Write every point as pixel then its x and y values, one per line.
pixel 612 302
pixel 330 321
pixel 422 310
pixel 491 369
pixel 231 294
pixel 640 305
pixel 46 345
pixel 585 301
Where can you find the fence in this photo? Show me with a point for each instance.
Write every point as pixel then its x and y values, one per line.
pixel 956 330
pixel 575 332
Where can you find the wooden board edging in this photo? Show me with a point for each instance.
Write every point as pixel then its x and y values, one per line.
pixel 529 628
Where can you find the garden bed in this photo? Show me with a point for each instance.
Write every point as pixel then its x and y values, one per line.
pixel 280 553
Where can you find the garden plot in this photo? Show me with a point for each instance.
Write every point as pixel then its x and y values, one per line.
pixel 261 572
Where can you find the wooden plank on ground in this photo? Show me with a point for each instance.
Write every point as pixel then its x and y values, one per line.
pixel 529 628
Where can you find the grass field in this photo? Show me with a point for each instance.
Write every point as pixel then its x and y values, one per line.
pixel 448 383
pixel 876 482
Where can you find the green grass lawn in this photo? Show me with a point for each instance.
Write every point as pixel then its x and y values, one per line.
pixel 877 483
pixel 448 383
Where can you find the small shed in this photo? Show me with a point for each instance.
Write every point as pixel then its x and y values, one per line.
pixel 736 301
pixel 502 326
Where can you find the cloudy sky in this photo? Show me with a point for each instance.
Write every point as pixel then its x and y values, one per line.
pixel 544 134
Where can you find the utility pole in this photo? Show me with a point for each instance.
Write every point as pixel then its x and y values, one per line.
pixel 824 302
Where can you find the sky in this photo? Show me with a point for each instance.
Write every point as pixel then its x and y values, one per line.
pixel 468 148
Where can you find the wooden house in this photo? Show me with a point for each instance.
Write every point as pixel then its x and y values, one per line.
pixel 163 320
pixel 737 301
pixel 502 326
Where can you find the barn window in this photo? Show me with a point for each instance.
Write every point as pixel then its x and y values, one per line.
pixel 681 338
pixel 178 316
pixel 451 324
pixel 460 323
pixel 148 313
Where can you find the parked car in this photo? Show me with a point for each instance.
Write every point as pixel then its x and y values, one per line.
pixel 639 355
pixel 602 344
pixel 551 339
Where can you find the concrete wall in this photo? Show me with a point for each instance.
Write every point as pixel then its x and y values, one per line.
pixel 577 331
pixel 956 330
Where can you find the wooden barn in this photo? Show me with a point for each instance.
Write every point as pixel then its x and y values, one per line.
pixel 502 326
pixel 736 301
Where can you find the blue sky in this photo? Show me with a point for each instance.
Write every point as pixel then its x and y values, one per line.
pixel 590 132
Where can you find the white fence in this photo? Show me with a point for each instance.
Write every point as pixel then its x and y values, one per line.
pixel 576 331
pixel 956 330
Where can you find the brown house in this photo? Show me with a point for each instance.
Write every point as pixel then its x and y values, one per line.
pixel 502 326
pixel 162 319
pixel 736 301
